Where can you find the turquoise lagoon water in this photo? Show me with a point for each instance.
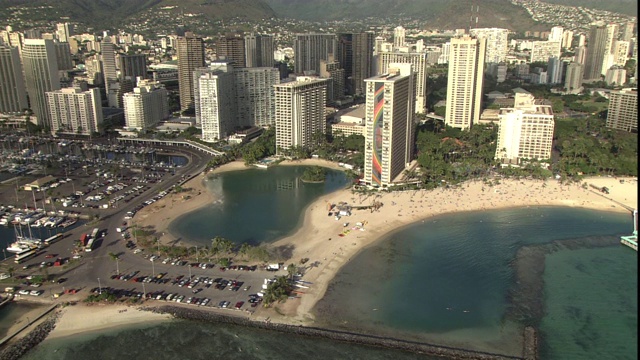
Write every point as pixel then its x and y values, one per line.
pixel 254 206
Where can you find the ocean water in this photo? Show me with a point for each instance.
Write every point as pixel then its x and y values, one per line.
pixel 447 280
pixel 592 304
pixel 255 205
pixel 180 339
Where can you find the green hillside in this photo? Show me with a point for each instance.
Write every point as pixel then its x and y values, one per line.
pixel 628 7
pixel 437 13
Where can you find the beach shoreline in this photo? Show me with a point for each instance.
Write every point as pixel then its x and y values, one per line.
pixel 318 236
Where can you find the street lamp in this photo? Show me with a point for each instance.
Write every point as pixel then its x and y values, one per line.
pixel 144 292
pixel 153 268
pixel 117 266
pixel 99 287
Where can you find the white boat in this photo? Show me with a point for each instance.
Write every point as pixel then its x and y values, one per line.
pixel 20 247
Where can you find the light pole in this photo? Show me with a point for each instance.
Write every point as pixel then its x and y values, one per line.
pixel 99 287
pixel 144 292
pixel 117 266
pixel 189 272
pixel 197 259
pixel 153 268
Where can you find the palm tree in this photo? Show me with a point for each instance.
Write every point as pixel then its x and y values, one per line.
pixel 11 270
pixel 292 269
pixel 115 257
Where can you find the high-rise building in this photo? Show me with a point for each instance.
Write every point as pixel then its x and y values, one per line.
pixel 255 95
pixel 63 55
pixel 573 77
pixel 567 39
pixel 330 69
pixel 620 53
pixel 64 32
pixel 582 40
pixel 525 132
pixel 300 112
pixel 146 105
pixel 109 69
pixel 398 37
pixel 41 75
pixel 389 124
pixel 190 50
pixel 309 49
pixel 117 90
pixel 616 75
pixel 541 51
pixel 556 34
pixel 623 110
pixel 581 55
pixel 554 70
pixel 217 102
pixel 596 52
pixel 231 47
pixel 93 68
pixel 419 62
pixel 13 94
pixel 497 43
pixel 258 50
pixel 73 111
pixel 627 31
pixel 133 65
pixel 464 85
pixel 612 36
pixel 355 54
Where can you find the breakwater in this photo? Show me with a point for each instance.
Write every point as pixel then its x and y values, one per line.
pixel 343 336
pixel 36 336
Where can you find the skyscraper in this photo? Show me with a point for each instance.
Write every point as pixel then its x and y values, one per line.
pixel 398 37
pixel 108 53
pixel 300 112
pixel 258 50
pixel 63 55
pixel 419 62
pixel 554 70
pixel 13 94
pixel 309 49
pixel 355 54
pixel 464 85
pixel 330 69
pixel 64 31
pixel 627 31
pixel 596 51
pixel 623 110
pixel 216 101
pixel 620 53
pixel 146 105
pixel 133 65
pixel 390 124
pixel 190 50
pixel 525 132
pixel 41 75
pixel 573 78
pixel 497 43
pixel 255 95
pixel 73 111
pixel 231 47
pixel 541 51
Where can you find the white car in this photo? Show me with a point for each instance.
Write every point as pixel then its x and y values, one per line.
pixel 23 292
pixel 36 292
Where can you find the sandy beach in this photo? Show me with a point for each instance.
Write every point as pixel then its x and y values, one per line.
pixel 84 318
pixel 318 238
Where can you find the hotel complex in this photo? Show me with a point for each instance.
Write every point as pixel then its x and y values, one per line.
pixel 390 125
pixel 464 86
pixel 623 110
pixel 300 112
pixel 525 131
pixel 146 105
pixel 73 111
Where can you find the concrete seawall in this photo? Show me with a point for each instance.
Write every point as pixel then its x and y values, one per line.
pixel 350 337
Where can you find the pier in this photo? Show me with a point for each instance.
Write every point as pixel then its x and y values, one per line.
pixel 632 240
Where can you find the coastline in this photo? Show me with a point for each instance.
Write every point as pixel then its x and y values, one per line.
pixel 73 319
pixel 317 237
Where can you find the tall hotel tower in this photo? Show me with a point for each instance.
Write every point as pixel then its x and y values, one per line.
pixel 300 107
pixel 390 124
pixel 596 52
pixel 41 75
pixel 13 95
pixel 355 54
pixel 464 86
pixel 190 51
pixel 309 49
pixel 73 111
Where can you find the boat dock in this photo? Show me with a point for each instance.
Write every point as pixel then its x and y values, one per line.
pixel 632 240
